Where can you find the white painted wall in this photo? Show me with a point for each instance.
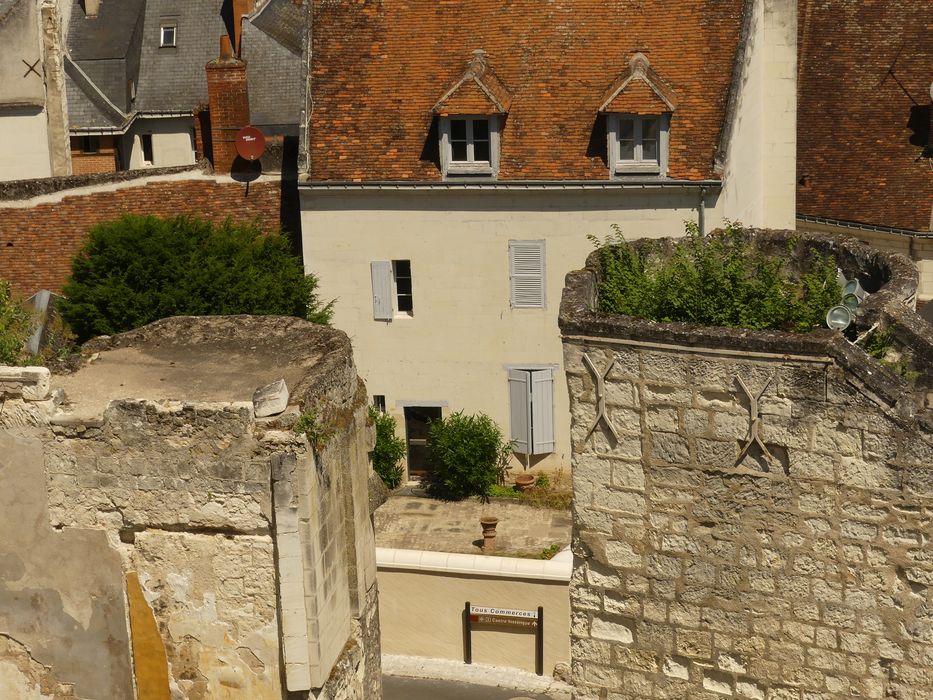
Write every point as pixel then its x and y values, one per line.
pixel 171 142
pixel 463 331
pixel 24 144
pixel 761 159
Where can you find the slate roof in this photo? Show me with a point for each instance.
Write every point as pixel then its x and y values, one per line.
pixel 855 162
pixel 284 21
pixel 173 79
pixel 123 44
pixel 88 108
pixel 378 70
pixel 273 74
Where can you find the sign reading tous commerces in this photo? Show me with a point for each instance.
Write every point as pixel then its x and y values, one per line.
pixel 508 618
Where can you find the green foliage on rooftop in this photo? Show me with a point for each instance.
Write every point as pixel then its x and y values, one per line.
pixel 719 280
pixel 139 269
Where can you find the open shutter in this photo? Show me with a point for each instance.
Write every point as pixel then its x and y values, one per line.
pixel 520 409
pixel 382 289
pixel 542 411
pixel 526 274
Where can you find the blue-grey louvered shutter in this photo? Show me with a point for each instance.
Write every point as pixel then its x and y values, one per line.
pixel 526 274
pixel 520 409
pixel 382 289
pixel 542 411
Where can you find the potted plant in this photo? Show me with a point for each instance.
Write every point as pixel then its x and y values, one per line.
pixel 525 482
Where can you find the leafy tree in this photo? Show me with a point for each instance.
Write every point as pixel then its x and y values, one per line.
pixel 14 327
pixel 468 453
pixel 138 269
pixel 389 449
pixel 719 280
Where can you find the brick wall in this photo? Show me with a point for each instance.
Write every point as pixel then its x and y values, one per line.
pixel 91 163
pixel 38 242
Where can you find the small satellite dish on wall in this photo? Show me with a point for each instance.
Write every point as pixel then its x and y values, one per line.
pixel 250 143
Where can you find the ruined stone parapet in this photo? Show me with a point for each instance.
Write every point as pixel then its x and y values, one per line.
pixel 751 509
pixel 250 544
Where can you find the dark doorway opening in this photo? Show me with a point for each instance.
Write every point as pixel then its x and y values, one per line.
pixel 417 419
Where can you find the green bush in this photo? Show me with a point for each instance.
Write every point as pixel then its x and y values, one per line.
pixel 389 449
pixel 15 327
pixel 137 269
pixel 468 456
pixel 720 280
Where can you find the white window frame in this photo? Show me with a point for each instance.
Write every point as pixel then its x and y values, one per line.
pixel 450 167
pixel 163 26
pixel 638 165
pixel 384 275
pixel 395 293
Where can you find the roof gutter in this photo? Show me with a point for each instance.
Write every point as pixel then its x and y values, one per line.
pixel 863 227
pixel 527 185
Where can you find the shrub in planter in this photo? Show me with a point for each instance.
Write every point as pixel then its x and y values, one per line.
pixel 469 454
pixel 389 449
pixel 139 269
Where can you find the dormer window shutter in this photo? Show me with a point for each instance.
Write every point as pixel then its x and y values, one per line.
pixel 527 278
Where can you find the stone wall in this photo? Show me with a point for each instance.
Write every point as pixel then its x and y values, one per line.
pixel 246 547
pixel 752 511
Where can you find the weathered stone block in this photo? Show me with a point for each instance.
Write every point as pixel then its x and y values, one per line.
pixel 670 448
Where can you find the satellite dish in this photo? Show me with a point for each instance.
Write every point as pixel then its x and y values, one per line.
pixel 250 143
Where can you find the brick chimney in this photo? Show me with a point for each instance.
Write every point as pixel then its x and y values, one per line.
pixel 91 8
pixel 229 104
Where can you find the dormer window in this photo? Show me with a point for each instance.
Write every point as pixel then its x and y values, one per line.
pixel 167 35
pixel 470 115
pixel 638 108
pixel 638 143
pixel 469 145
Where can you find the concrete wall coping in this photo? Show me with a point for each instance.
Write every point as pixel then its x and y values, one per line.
pixel 557 569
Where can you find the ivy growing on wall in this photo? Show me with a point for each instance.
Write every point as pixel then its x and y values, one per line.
pixel 719 280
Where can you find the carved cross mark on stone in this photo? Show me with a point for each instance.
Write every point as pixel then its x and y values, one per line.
pixel 600 378
pixel 754 420
pixel 30 68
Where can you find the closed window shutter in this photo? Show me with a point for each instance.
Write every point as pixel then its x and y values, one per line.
pixel 382 289
pixel 542 411
pixel 520 409
pixel 526 274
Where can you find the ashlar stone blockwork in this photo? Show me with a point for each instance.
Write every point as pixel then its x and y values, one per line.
pixel 747 523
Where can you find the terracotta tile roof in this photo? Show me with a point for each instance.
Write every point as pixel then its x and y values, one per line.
pixel 478 91
pixel 379 68
pixel 855 161
pixel 640 90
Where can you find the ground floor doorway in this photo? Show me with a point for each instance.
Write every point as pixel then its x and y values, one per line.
pixel 417 420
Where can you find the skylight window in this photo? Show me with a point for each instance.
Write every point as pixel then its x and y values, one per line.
pixel 168 35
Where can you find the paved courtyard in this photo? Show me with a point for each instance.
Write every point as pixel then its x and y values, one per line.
pixel 417 522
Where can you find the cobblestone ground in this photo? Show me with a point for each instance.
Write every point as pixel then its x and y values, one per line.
pixel 415 522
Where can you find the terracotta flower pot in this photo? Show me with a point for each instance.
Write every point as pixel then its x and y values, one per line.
pixel 489 523
pixel 525 482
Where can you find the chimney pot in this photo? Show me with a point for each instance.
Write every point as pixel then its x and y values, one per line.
pixel 92 8
pixel 226 49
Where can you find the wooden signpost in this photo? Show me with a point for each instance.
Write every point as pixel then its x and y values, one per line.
pixel 519 620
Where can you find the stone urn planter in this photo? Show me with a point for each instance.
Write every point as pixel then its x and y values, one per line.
pixel 525 482
pixel 489 523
